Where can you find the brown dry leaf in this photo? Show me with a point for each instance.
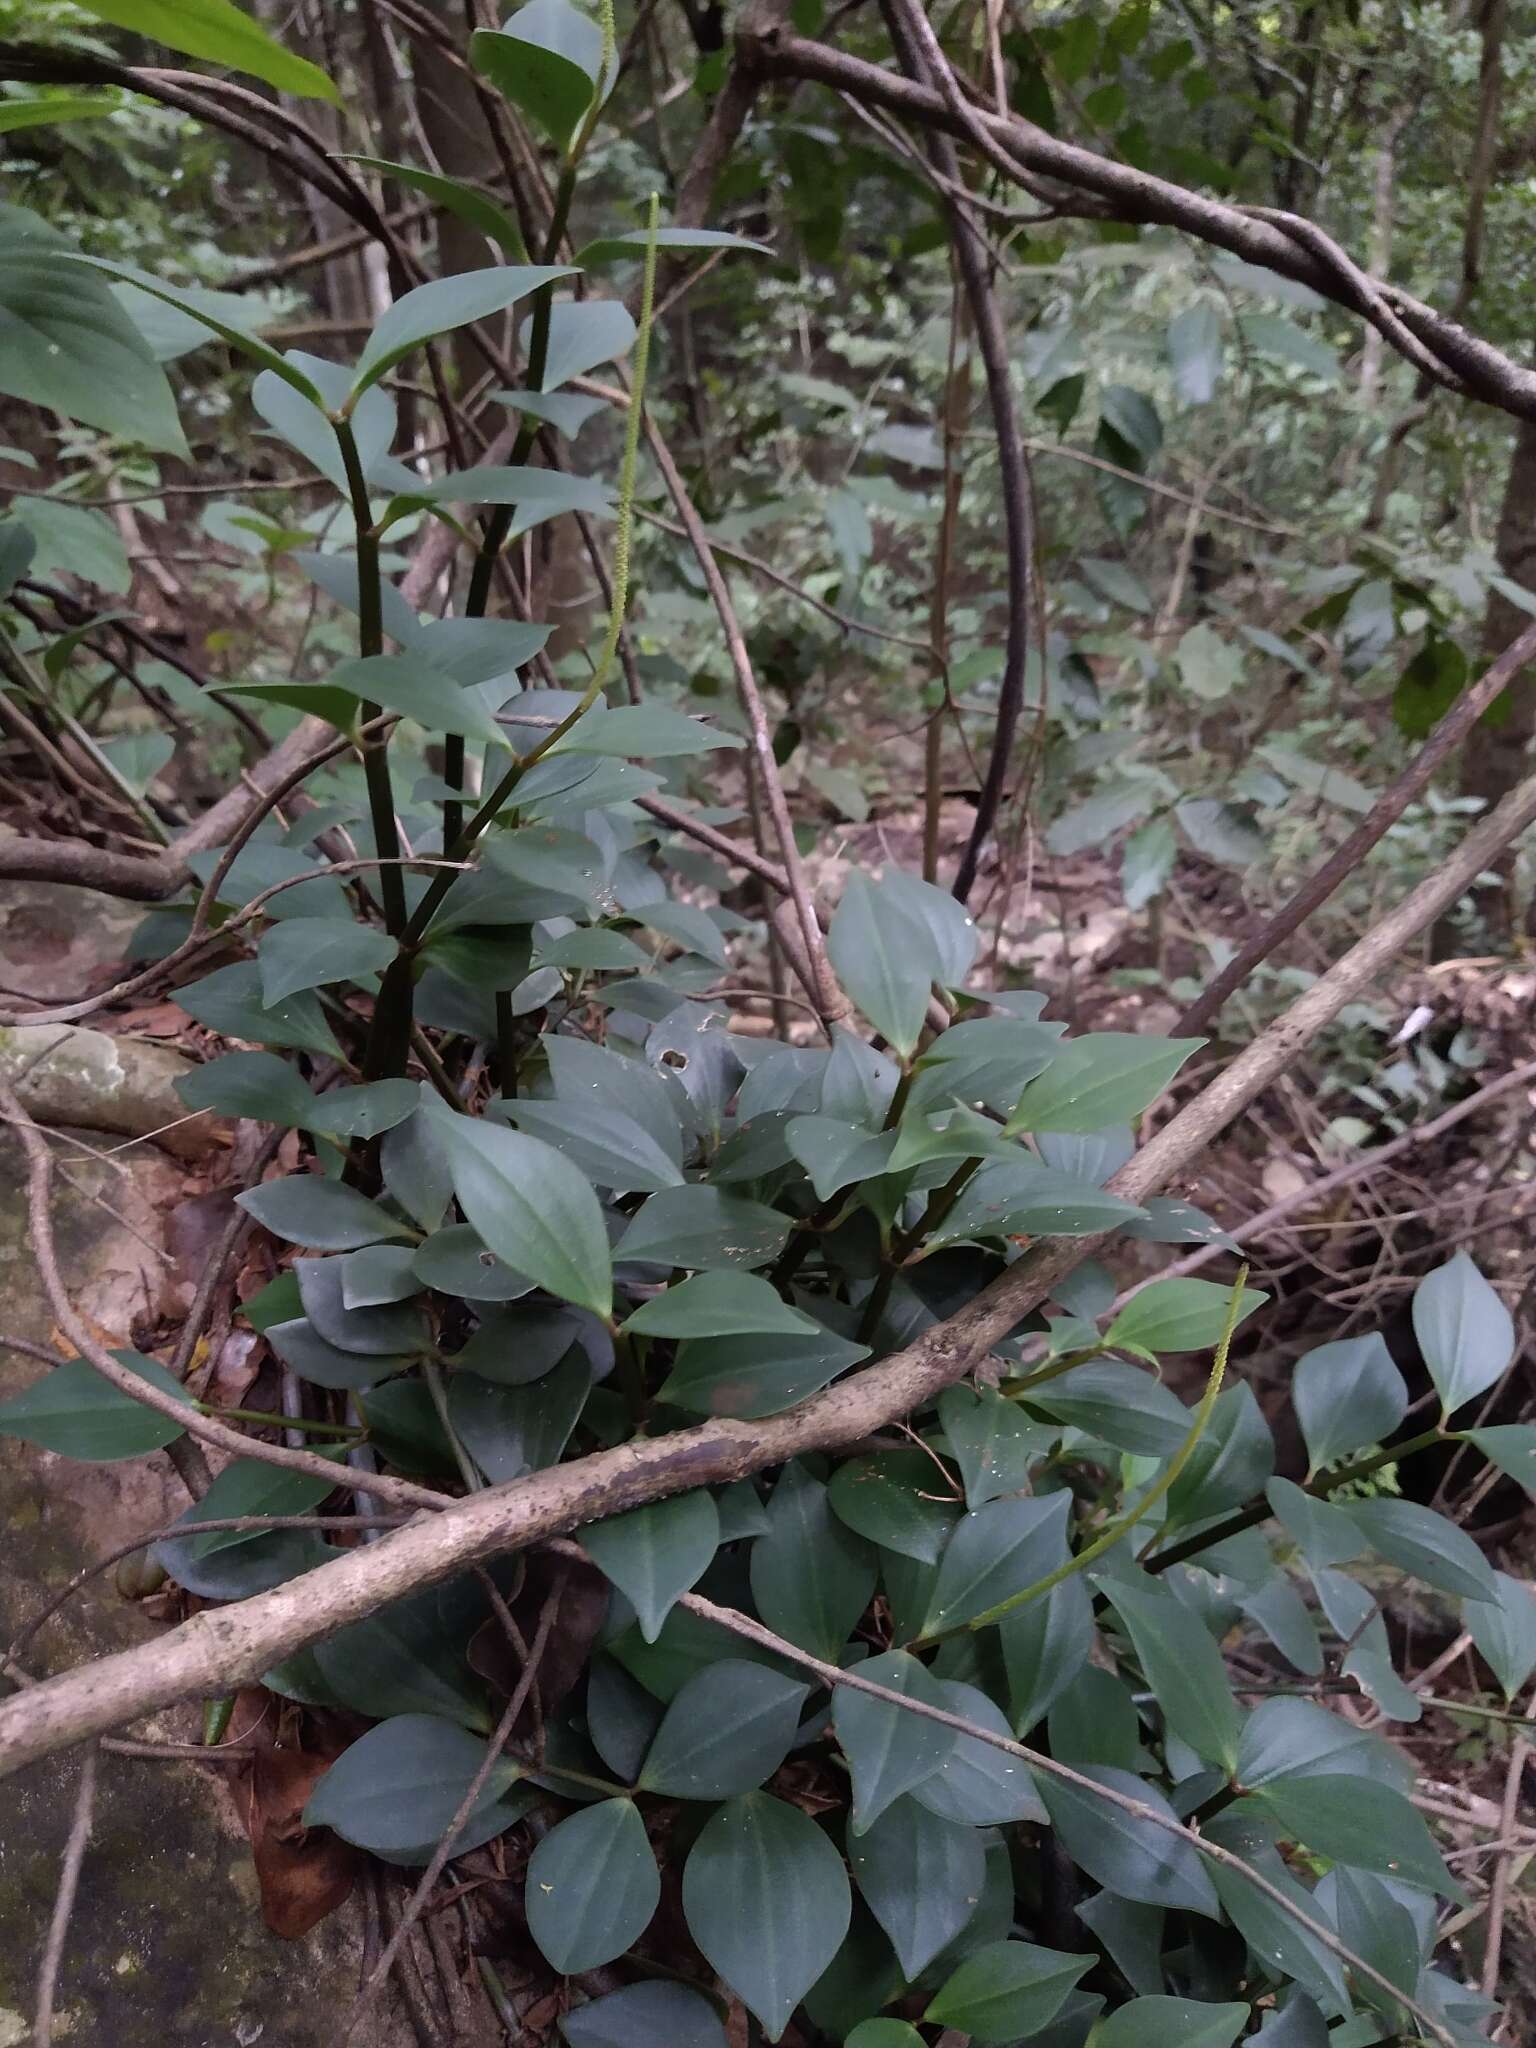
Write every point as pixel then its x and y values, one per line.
pixel 304 1873
pixel 152 1020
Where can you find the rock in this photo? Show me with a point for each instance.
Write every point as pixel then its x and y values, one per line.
pixel 65 1073
pixel 167 1948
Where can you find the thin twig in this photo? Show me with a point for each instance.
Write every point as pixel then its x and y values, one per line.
pixel 64 1900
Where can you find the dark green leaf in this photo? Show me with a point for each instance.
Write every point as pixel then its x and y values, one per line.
pixel 601 1142
pixel 74 1411
pixel 1230 1464
pixel 1323 1533
pixel 644 731
pixel 399 682
pixel 703 1229
pixel 978 1783
pixel 653 1553
pixel 532 1208
pixel 66 344
pixel 468 202
pixel 512 1430
pixel 1021 1198
pixel 378 1273
pixel 652 2014
pixel 727 1731
pixel 1119 1403
pixel 996 1551
pixel 885 958
pixel 310 952
pixel 538 493
pixel 592 1887
pixel 889 1499
pixel 1179 1315
pixel 922 1879
pixel 1293 1737
pixel 1428 1545
pixel 615 248
pixel 1347 1396
pixel 1359 1822
pixel 1104 1078
pixel 767 1901
pixel 323 1214
pixel 885 2034
pixel 404 1660
pixel 400 1785
pixel 250 1486
pixel 889 1751
pixel 1183 1666
pixel 301 1347
pixel 992 1441
pixel 229 1001
pixel 760 1375
pixel 1128 1854
pixel 1045 1646
pixel 718 1305
pixel 811 1577
pixel 1276 1937
pixel 1512 1447
pixel 365 1111
pixel 210 311
pixel 444 304
pixel 1504 1629
pixel 836 1153
pixel 1171 2023
pixel 1464 1330
pixel 546 60
pixel 380 1331
pixel 582 334
pixel 253 1084
pixel 1006 1991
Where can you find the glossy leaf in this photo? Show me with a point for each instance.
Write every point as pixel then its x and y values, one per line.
pixel 74 1411
pixel 1119 1403
pixel 1347 1397
pixel 977 1783
pixel 310 952
pixel 1179 1315
pixel 757 1375
pixel 766 1899
pixel 532 1208
pixel 399 1785
pixel 889 1750
pixel 1428 1545
pixel 1465 1332
pixel 1105 1077
pixel 726 1732
pixel 253 1084
pixel 654 1553
pixel 582 334
pixel 1504 1630
pixel 1359 1822
pixel 592 1887
pixel 889 1498
pixel 996 1551
pixel 922 1879
pixel 1125 1853
pixel 545 59
pixel 305 1209
pixel 1045 1645
pixel 366 1111
pixel 441 306
pixel 250 1486
pixel 605 1144
pixel 1512 1447
pixel 229 1001
pixel 992 1440
pixel 718 1305
pixel 1006 1991
pixel 465 201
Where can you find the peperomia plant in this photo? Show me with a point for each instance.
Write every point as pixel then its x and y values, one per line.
pixel 546 1202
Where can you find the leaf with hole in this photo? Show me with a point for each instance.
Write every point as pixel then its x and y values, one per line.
pixel 592 1887
pixel 726 1732
pixel 654 1553
pixel 1007 1991
pixel 75 1412
pixel 533 1209
pixel 767 1901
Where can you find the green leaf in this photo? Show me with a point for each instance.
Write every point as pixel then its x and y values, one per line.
pixel 74 541
pixel 1171 2023
pixel 57 106
pixel 220 33
pixel 702 1229
pixel 1504 1629
pixel 1091 824
pixel 885 2034
pixel 1512 1447
pixel 1194 350
pixel 1428 1545
pixel 726 1732
pixel 546 492
pixel 1006 1991
pixel 444 304
pixel 1126 1854
pixel 602 1142
pixel 1298 1738
pixel 378 1273
pixel 406 1659
pixel 889 1751
pixel 582 334
pixel 17 548
pixel 322 1214
pixel 654 1553
pixel 615 248
pixel 467 202
pixel 1357 1821
pixel 1347 1396
pixel 74 1411
pixel 992 1441
pixel 402 683
pixel 510 1430
pixel 766 1899
pixel 301 1347
pixel 921 1877
pixel 1274 1936
pixel 1323 1533
pixel 977 1783
pixel 250 1486
pixel 757 1375
pixel 1119 1404
pixel 811 1577
pixel 400 1785
pixel 229 1001
pixel 652 2014
pixel 645 731
pixel 532 1208
pixel 311 952
pixel 998 1550
pixel 209 310
pixel 1105 1077
pixel 253 1084
pixel 66 344
pixel 718 1305
pixel 1179 1315
pixel 1045 1646
pixel 885 958
pixel 365 1111
pixel 1147 863
pixel 1464 1330
pixel 592 1887
pixel 1183 1666
pixel 836 1153
pixel 546 60
pixel 888 1498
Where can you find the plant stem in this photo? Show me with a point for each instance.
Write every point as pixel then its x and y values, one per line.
pixel 432 1373
pixel 370 613
pixel 262 1415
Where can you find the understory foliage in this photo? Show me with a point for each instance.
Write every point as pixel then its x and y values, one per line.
pixel 548 1201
